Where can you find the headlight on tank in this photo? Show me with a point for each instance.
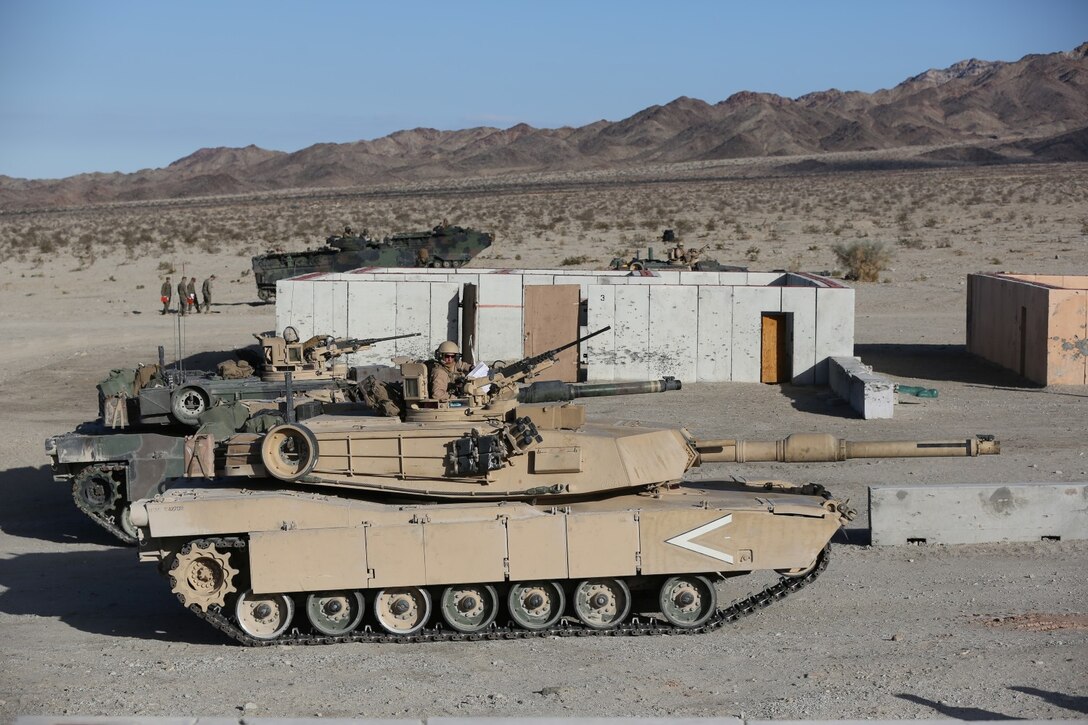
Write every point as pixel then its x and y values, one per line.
pixel 50 446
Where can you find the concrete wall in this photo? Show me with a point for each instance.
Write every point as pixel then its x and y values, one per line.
pixel 1034 325
pixel 697 326
pixel 971 513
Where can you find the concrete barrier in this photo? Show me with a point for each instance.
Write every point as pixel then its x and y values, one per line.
pixel 972 513
pixel 871 395
pixel 492 720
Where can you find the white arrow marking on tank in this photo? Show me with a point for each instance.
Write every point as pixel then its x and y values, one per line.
pixel 684 540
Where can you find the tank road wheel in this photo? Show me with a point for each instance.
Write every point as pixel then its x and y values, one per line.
pixel 187 404
pixel 687 601
pixel 469 607
pixel 202 575
pixel 289 451
pixel 96 489
pixel 402 611
pixel 536 605
pixel 335 613
pixel 602 603
pixel 264 616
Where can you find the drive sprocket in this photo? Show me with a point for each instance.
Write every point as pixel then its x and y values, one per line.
pixel 202 575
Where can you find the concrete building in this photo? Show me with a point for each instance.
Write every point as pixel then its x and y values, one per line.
pixel 1033 324
pixel 697 326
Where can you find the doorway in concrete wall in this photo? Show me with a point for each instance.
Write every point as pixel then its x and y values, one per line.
pixel 551 321
pixel 468 322
pixel 776 366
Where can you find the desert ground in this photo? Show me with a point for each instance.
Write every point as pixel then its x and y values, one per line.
pixel 994 631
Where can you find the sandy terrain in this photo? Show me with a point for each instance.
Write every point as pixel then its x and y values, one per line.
pixel 985 631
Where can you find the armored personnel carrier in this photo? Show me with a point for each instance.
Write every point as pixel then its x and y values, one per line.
pixel 489 516
pixel 443 246
pixel 148 414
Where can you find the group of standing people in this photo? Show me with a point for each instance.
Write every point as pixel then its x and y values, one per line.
pixel 187 301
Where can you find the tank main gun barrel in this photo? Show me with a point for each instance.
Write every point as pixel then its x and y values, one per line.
pixel 823 447
pixel 552 391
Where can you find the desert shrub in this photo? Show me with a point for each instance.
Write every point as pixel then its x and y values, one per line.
pixel 864 261
pixel 575 261
pixel 911 243
pixel 752 254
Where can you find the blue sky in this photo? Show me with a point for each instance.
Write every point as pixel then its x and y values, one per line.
pixel 121 85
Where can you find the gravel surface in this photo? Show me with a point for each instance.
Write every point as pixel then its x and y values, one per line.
pixel 976 632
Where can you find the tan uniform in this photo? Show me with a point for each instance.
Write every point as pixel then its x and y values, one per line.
pixel 445 382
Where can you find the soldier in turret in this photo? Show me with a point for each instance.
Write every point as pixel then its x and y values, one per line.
pixel 165 294
pixel 447 372
pixel 677 255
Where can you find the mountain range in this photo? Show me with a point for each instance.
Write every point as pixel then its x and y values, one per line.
pixel 975 111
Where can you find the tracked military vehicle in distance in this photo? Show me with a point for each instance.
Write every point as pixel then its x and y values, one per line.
pixel 443 246
pixel 147 417
pixel 488 516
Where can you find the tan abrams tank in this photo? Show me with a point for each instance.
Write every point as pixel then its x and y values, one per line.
pixel 489 517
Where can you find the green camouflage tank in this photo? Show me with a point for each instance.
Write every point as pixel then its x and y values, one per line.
pixel 443 246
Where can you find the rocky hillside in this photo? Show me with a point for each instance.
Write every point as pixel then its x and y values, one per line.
pixel 978 111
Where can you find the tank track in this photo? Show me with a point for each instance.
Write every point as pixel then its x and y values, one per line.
pixel 101 519
pixel 633 627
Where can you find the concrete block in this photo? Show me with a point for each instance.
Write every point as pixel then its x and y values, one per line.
pixel 973 513
pixel 834 328
pixel 673 339
pixel 413 314
pixel 499 319
pixel 714 356
pixel 800 303
pixel 871 395
pixel 296 306
pixel 632 333
pixel 599 353
pixel 372 312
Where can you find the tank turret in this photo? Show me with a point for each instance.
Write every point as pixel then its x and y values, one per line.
pixel 499 513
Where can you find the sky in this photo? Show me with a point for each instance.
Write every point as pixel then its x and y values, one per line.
pixel 123 85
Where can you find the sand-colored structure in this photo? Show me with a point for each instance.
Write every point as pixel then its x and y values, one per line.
pixel 1033 324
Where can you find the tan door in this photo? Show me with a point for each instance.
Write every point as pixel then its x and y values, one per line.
pixel 775 364
pixel 551 320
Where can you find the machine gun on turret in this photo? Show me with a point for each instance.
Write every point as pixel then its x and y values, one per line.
pixel 502 384
pixel 310 359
